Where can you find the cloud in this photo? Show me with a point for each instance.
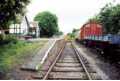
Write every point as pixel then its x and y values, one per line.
pixel 71 13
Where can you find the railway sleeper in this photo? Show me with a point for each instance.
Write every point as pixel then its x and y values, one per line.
pixel 67 69
pixel 68 61
pixel 68 64
pixel 72 76
pixel 69 76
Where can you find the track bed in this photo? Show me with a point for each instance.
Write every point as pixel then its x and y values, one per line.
pixel 68 66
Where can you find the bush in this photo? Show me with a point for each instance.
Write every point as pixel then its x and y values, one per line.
pixel 11 39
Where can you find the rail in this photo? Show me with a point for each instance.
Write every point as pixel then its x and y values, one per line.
pixel 46 76
pixel 88 74
pixel 86 71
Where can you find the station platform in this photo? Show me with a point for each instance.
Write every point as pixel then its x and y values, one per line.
pixel 39 58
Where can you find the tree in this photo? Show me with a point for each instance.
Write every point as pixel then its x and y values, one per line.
pixel 74 30
pixel 104 18
pixel 59 33
pixel 109 17
pixel 115 20
pixel 9 9
pixel 72 35
pixel 48 23
pixel 94 19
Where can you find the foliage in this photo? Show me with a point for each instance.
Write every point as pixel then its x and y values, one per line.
pixel 75 30
pixel 115 20
pixel 48 23
pixel 109 17
pixel 11 55
pixel 104 16
pixel 9 9
pixel 59 33
pixel 94 19
pixel 9 39
pixel 2 39
pixel 72 35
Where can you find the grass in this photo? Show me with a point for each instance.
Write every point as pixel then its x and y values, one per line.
pixel 38 68
pixel 11 55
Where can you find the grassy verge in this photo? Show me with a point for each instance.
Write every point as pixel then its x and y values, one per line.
pixel 11 55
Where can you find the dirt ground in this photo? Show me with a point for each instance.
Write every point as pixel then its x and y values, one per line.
pixel 107 69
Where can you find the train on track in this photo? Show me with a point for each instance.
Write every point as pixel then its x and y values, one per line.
pixel 91 35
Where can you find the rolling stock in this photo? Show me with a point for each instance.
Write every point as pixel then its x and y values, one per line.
pixel 91 36
pixel 91 29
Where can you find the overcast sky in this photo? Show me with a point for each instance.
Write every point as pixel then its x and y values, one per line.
pixel 71 13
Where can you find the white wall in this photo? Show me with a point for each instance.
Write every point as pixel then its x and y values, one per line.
pixel 23 27
pixel 12 28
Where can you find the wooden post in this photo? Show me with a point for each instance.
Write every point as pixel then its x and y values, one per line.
pixel 16 31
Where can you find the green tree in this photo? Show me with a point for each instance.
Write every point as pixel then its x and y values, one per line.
pixel 104 18
pixel 94 19
pixel 74 30
pixel 59 33
pixel 9 9
pixel 48 23
pixel 72 35
pixel 115 20
pixel 109 17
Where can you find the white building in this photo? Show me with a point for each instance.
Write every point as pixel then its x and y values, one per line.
pixel 21 28
pixel 34 29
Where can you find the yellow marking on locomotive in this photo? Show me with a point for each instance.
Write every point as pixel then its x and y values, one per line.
pixel 68 37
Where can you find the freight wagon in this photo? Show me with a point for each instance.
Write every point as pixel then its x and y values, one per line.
pixel 91 29
pixel 91 36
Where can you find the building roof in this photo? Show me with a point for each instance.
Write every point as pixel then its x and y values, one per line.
pixel 19 17
pixel 34 23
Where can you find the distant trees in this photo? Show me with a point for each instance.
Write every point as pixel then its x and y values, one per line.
pixel 59 33
pixel 48 23
pixel 73 32
pixel 9 9
pixel 109 17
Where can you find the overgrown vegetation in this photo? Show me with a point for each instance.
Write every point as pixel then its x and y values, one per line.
pixel 8 39
pixel 13 53
pixel 109 17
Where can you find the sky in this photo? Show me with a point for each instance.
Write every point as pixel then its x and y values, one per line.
pixel 71 13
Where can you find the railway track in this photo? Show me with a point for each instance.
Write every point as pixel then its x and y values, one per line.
pixel 69 65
